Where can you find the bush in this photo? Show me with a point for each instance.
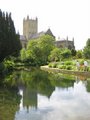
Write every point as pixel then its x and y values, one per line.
pixel 9 64
pixel 53 65
pixel 68 63
pixel 89 69
pixel 61 66
pixel 69 67
pixel 82 62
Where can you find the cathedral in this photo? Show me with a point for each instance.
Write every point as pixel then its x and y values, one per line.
pixel 30 31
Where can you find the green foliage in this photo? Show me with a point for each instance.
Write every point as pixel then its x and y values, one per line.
pixel 81 62
pixel 53 65
pixel 88 42
pixel 68 63
pixel 69 67
pixel 55 55
pixel 73 52
pixel 23 54
pixel 58 54
pixel 38 50
pixel 9 101
pixel 86 52
pixel 61 66
pixel 9 65
pixel 66 53
pixel 9 40
pixel 79 54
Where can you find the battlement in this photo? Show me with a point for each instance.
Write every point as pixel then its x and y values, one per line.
pixel 30 19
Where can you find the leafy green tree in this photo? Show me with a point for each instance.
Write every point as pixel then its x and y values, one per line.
pixel 66 53
pixel 39 49
pixel 88 42
pixel 23 54
pixel 9 39
pixel 55 55
pixel 73 52
pixel 79 54
pixel 33 52
pixel 86 50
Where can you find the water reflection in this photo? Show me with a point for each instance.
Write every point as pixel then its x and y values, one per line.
pixel 9 102
pixel 45 96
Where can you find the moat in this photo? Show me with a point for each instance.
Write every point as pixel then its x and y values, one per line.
pixel 40 95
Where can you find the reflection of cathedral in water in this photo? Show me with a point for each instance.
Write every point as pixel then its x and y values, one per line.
pixel 29 98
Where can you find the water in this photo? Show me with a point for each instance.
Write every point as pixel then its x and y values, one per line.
pixel 38 95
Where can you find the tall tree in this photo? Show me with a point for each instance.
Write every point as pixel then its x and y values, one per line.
pixel 39 49
pixel 86 50
pixel 9 40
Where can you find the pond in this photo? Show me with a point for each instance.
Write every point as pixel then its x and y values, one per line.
pixel 39 95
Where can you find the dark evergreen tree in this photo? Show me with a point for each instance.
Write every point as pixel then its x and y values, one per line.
pixel 73 52
pixel 9 40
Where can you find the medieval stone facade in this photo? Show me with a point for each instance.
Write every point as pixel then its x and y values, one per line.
pixel 30 26
pixel 65 43
pixel 30 31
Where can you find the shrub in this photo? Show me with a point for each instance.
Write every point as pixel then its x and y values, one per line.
pixel 69 67
pixel 88 69
pixel 82 62
pixel 9 64
pixel 54 65
pixel 61 66
pixel 68 63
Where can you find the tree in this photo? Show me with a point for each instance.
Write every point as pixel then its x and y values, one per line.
pixel 79 54
pixel 88 42
pixel 66 53
pixel 9 39
pixel 86 50
pixel 73 52
pixel 46 44
pixel 23 54
pixel 55 55
pixel 39 49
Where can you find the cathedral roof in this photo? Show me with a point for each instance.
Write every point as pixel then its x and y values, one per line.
pixel 49 32
pixel 37 35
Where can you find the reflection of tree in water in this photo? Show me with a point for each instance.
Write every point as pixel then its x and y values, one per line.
pixel 9 102
pixel 88 86
pixel 38 80
pixel 29 98
pixel 85 80
pixel 33 82
pixel 63 81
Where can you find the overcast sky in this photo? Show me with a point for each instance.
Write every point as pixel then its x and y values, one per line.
pixel 64 17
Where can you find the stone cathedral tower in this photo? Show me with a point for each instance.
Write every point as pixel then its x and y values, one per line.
pixel 30 27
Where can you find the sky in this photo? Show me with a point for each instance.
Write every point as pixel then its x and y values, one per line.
pixel 64 17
